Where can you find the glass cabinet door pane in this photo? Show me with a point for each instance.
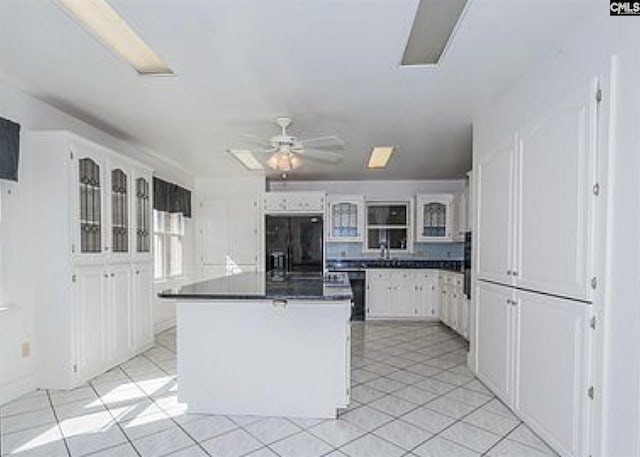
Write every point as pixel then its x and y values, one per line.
pixel 90 206
pixel 119 211
pixel 143 211
pixel 434 219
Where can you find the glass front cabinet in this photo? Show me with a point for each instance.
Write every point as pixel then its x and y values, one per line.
pixel 346 218
pixel 434 218
pixel 113 208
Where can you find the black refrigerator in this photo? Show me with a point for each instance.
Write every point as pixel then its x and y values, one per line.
pixel 294 244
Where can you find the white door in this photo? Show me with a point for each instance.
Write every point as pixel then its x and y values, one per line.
pixel 274 202
pixel 214 233
pixel 119 209
pixel 426 295
pixel 463 316
pixel 378 294
pixel 89 316
pixel 304 202
pixel 89 219
pixel 119 312
pixel 404 289
pixel 495 216
pixel 454 308
pixel 494 338
pixel 443 303
pixel 555 199
pixel 243 231
pixel 143 305
pixel 552 379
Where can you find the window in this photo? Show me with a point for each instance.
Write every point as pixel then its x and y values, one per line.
pixel 168 234
pixel 388 226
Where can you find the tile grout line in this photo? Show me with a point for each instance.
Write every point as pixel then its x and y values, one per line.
pixel 55 415
pixel 197 442
pixel 95 391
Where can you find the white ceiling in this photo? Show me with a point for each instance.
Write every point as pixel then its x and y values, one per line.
pixel 331 64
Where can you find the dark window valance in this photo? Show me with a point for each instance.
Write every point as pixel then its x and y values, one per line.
pixel 9 149
pixel 171 198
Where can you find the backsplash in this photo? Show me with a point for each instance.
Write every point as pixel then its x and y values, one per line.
pixel 422 251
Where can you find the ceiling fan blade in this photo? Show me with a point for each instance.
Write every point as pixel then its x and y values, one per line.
pixel 323 142
pixel 320 155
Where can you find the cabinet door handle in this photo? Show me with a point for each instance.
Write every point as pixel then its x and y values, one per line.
pixel 279 303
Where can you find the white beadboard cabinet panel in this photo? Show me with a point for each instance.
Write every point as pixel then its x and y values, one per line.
pixel 495 216
pixel 556 162
pixel 495 338
pixel 552 376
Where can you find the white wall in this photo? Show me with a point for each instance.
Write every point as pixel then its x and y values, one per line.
pixel 18 374
pixel 584 53
pixel 247 185
pixel 373 188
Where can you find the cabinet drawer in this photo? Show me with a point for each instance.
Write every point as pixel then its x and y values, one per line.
pixel 381 275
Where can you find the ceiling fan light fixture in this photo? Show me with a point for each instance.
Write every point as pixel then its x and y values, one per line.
pixel 284 161
pixel 101 20
pixel 380 156
pixel 247 159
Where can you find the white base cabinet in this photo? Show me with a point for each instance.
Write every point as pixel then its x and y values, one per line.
pixel 552 377
pixel 533 352
pixel 418 294
pixel 399 293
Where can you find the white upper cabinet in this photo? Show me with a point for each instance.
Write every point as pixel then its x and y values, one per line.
pixel 434 217
pixel 90 184
pixel 536 203
pixel 345 215
pixel 495 215
pixel 119 209
pixel 555 200
pixel 230 232
pixel 294 202
pixel 142 210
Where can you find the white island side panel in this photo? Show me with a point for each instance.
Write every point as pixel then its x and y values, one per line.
pixel 254 358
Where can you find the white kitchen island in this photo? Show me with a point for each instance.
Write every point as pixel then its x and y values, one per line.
pixel 251 346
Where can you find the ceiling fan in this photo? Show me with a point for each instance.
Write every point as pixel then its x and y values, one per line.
pixel 284 152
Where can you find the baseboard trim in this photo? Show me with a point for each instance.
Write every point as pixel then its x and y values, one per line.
pixel 17 387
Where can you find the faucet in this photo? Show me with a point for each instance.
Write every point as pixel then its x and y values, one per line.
pixel 384 251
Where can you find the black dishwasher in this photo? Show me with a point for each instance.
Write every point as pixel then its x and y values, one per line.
pixel 357 279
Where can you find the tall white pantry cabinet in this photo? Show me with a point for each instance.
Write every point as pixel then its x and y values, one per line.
pixel 92 237
pixel 535 281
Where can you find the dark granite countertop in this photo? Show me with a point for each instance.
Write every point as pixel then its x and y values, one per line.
pixel 363 264
pixel 262 286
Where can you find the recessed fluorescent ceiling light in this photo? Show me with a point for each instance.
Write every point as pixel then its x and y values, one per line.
pixel 247 159
pixel 106 24
pixel 432 29
pixel 380 155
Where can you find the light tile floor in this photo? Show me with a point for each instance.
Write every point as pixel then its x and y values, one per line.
pixel 412 395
